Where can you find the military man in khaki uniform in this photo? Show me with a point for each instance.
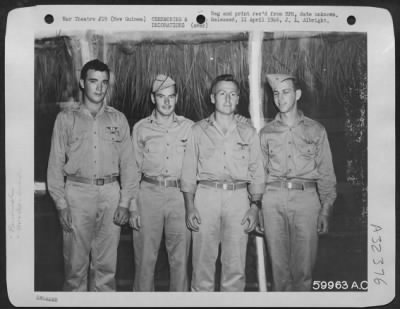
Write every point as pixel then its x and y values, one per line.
pixel 159 143
pixel 300 190
pixel 91 149
pixel 222 182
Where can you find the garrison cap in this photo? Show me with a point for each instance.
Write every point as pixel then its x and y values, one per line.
pixel 275 79
pixel 161 82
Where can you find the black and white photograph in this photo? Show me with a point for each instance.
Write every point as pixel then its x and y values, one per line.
pixel 217 149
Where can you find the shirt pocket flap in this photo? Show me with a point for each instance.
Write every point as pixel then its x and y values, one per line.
pixel 273 147
pixel 153 147
pixel 111 134
pixel 241 150
pixel 307 149
pixel 181 145
pixel 77 136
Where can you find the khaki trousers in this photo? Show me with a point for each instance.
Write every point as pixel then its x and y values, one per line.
pixel 290 218
pixel 221 213
pixel 161 210
pixel 94 235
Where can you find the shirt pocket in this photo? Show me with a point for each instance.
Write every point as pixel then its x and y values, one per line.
pixel 111 134
pixel 307 150
pixel 240 160
pixel 241 152
pixel 78 148
pixel 153 157
pixel 180 146
pixel 153 148
pixel 110 143
pixel 274 148
pixel 77 140
pixel 274 155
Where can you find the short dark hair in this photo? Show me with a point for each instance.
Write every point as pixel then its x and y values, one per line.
pixel 96 65
pixel 224 78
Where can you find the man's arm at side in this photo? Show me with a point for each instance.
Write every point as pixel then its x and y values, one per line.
pixel 55 171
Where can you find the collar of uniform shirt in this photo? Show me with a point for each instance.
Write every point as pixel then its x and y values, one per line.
pixel 212 121
pixel 176 118
pixel 300 118
pixel 85 110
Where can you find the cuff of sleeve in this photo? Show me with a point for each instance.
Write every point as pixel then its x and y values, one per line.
pixel 123 202
pixel 133 205
pixel 188 187
pixel 61 204
pixel 256 188
pixel 255 197
pixel 326 210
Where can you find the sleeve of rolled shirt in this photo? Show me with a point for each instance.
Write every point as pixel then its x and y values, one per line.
pixel 127 166
pixel 264 152
pixel 327 181
pixel 138 159
pixel 256 186
pixel 189 166
pixel 55 169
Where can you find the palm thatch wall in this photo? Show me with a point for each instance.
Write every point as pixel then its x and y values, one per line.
pixel 193 67
pixel 332 68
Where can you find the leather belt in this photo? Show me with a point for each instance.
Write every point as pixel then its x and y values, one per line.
pixel 293 185
pixel 223 185
pixel 94 181
pixel 176 183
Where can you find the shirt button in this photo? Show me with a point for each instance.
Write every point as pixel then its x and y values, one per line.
pixel 289 156
pixel 167 144
pixel 94 147
pixel 290 142
pixel 224 153
pixel 167 158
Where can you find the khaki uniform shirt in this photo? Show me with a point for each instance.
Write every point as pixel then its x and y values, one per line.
pixel 213 155
pixel 300 152
pixel 90 147
pixel 159 149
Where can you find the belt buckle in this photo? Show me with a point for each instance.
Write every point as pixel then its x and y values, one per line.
pixel 225 186
pixel 100 182
pixel 289 185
